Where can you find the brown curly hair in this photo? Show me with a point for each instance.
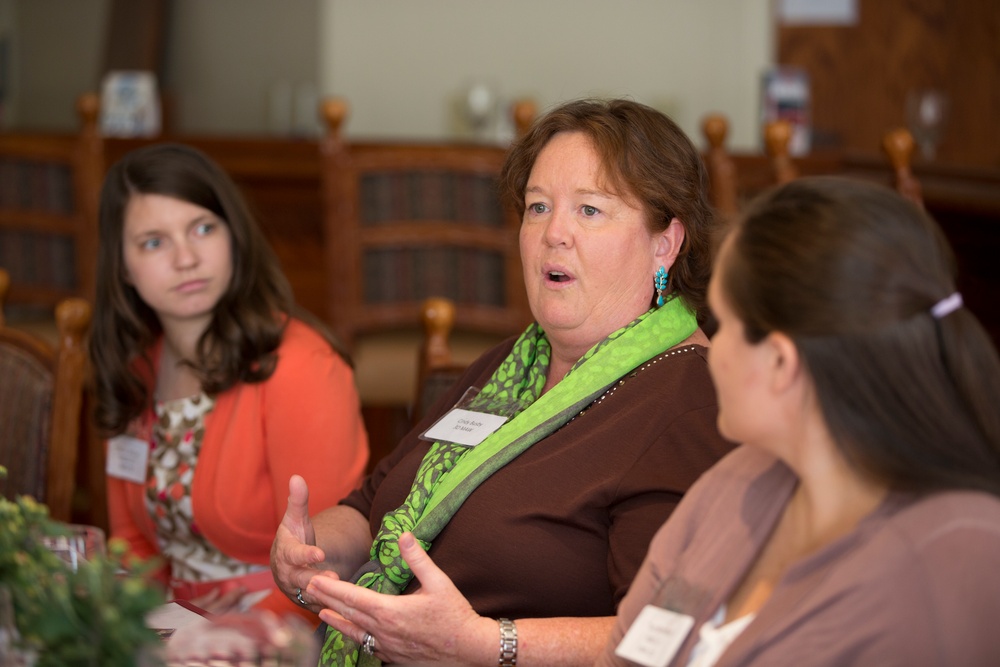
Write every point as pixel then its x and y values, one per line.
pixel 649 160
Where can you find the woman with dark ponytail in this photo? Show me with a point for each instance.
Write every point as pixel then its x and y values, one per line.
pixel 860 524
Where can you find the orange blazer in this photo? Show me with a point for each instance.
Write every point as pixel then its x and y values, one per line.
pixel 305 419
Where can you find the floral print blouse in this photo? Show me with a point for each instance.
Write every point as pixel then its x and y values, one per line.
pixel 177 437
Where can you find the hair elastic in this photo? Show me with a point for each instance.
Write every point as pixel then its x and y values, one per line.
pixel 946 306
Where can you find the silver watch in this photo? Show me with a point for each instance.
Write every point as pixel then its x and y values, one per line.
pixel 508 643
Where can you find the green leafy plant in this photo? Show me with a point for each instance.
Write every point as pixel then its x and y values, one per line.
pixel 92 616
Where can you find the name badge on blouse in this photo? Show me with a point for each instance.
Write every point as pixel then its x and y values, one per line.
pixel 127 458
pixel 464 427
pixel 655 636
pixel 467 427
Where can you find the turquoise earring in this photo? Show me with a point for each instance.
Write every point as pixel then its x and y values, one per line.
pixel 660 282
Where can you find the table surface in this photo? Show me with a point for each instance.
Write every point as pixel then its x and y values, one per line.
pixel 174 615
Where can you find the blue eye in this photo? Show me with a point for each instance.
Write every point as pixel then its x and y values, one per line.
pixel 590 211
pixel 205 228
pixel 151 244
pixel 537 208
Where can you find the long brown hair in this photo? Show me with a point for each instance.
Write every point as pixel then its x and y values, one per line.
pixel 850 271
pixel 239 344
pixel 647 159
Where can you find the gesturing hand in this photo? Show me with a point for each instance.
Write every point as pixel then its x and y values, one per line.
pixel 294 552
pixel 433 625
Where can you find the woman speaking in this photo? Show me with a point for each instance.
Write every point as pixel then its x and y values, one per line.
pixel 605 410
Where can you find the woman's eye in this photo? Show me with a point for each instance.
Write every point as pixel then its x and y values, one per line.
pixel 537 208
pixel 205 228
pixel 589 211
pixel 151 244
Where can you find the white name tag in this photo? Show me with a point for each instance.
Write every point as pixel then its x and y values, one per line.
pixel 654 637
pixel 127 458
pixel 464 427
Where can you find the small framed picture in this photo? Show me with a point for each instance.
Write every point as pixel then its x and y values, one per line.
pixel 785 96
pixel 130 104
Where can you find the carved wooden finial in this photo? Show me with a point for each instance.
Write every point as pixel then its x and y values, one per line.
pixel 334 112
pixel 777 137
pixel 88 105
pixel 524 112
pixel 72 320
pixel 721 169
pixel 715 128
pixel 438 317
pixel 899 145
pixel 777 140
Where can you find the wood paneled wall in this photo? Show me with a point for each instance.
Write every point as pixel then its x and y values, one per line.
pixel 860 75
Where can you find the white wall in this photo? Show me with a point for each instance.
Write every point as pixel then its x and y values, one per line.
pixel 57 49
pixel 402 64
pixel 225 58
pixel 222 58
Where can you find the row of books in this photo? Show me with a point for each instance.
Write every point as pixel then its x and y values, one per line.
pixel 37 259
pixel 36 186
pixel 429 195
pixel 465 275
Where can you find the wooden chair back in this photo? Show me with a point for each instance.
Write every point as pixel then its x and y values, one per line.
pixel 404 221
pixel 777 142
pixel 41 396
pixel 897 144
pixel 49 191
pixel 721 167
pixel 736 179
pixel 437 369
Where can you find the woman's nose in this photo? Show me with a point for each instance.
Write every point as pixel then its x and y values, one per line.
pixel 185 255
pixel 557 228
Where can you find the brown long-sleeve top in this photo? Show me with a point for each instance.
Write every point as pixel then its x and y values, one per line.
pixel 562 529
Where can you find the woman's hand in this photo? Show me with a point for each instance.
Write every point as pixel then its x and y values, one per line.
pixel 434 625
pixel 294 553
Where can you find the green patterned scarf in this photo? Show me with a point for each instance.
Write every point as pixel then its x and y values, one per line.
pixel 449 473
